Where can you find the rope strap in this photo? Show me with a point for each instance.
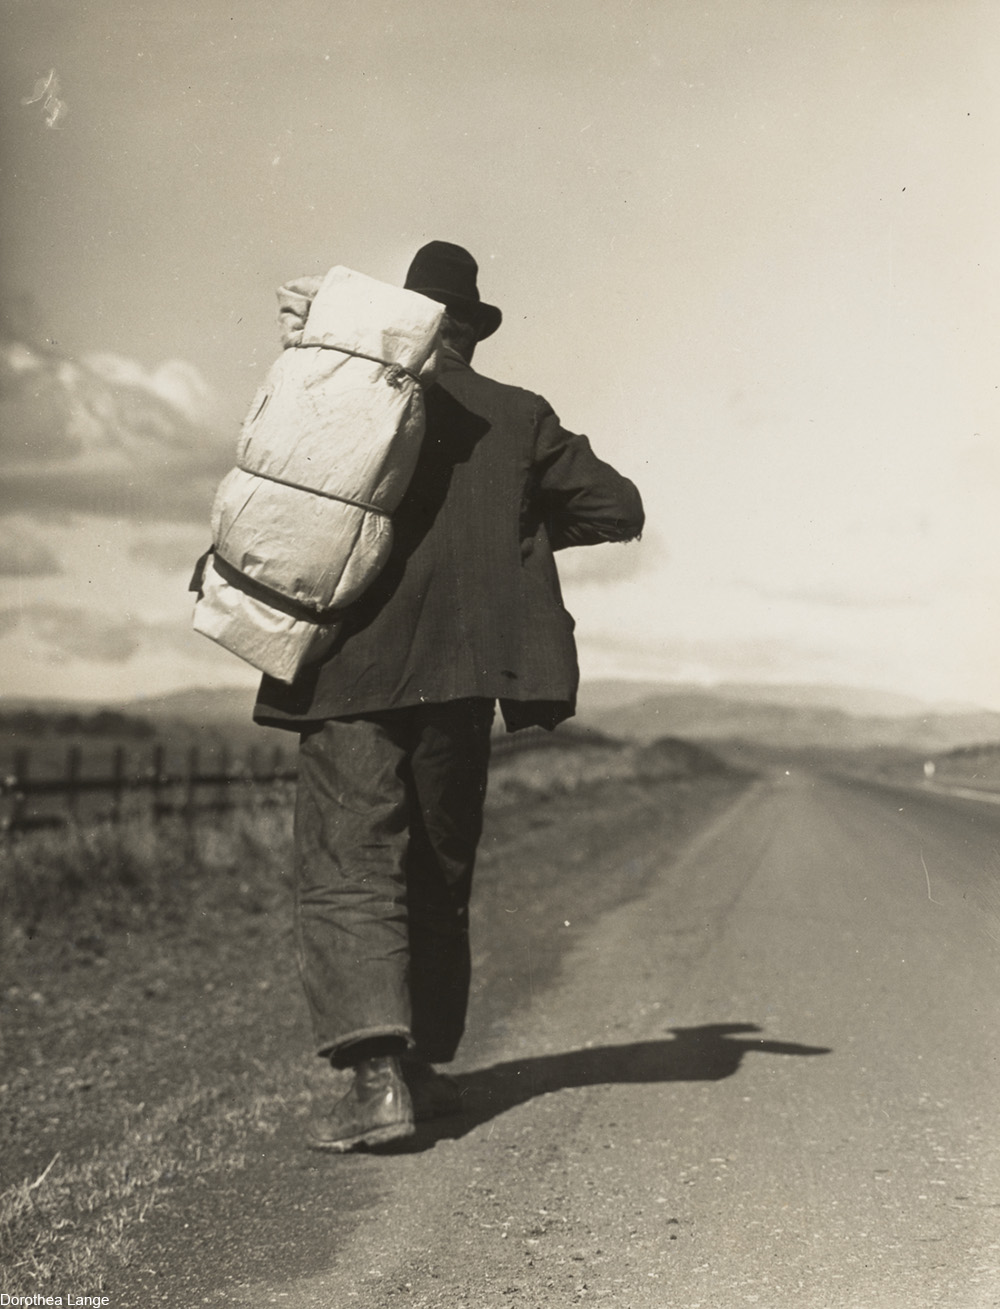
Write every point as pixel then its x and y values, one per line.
pixel 394 372
pixel 311 490
pixel 268 595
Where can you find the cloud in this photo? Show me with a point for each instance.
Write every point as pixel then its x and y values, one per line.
pixel 708 660
pixel 176 382
pixel 605 565
pixel 103 435
pixel 60 633
pixel 46 94
pixel 23 553
pixel 170 548
pixel 861 595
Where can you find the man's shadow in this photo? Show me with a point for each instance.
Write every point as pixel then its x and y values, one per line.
pixel 695 1054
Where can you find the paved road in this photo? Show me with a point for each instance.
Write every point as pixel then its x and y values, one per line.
pixel 772 1080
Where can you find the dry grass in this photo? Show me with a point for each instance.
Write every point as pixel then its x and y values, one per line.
pixel 80 884
pixel 84 881
pixel 76 1221
pixel 74 893
pixel 75 1217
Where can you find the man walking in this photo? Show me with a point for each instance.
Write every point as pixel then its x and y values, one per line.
pixel 395 720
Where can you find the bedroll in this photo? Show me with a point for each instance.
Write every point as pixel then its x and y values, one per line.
pixel 303 523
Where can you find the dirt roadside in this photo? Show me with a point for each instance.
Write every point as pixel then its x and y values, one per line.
pixel 188 1049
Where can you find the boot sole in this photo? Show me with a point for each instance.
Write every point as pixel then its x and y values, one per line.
pixel 374 1136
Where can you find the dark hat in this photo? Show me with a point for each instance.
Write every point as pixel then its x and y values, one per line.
pixel 447 273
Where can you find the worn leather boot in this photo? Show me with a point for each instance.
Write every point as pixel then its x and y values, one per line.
pixel 434 1094
pixel 376 1109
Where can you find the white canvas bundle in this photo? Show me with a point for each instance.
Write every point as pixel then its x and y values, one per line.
pixel 325 456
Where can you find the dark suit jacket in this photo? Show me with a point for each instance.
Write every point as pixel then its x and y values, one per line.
pixel 469 602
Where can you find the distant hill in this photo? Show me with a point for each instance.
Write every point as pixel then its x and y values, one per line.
pixel 786 719
pixel 598 696
pixel 198 704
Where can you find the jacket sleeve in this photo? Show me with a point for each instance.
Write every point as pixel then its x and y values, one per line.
pixel 581 499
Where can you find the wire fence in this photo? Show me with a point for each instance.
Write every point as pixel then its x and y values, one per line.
pixel 88 786
pixel 155 783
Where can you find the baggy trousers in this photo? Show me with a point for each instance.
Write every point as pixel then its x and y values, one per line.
pixel 389 813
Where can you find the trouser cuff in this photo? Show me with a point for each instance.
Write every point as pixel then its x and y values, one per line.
pixel 368 1043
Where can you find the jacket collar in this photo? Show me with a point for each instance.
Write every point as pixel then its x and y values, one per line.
pixel 451 360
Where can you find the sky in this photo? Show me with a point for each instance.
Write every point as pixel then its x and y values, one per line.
pixel 748 247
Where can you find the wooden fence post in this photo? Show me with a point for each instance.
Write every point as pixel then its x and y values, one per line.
pixel 191 789
pixel 158 781
pixel 222 793
pixel 73 760
pixel 117 783
pixel 22 771
pixel 190 802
